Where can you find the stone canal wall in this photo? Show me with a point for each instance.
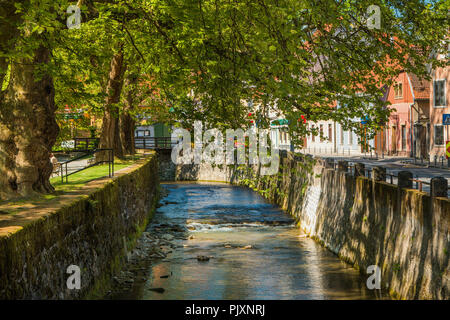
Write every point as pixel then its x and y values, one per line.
pixel 92 232
pixel 402 231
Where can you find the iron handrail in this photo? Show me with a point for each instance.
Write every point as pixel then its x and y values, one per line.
pixel 110 161
pixel 419 183
pixel 154 142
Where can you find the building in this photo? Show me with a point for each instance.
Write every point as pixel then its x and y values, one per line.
pixel 348 142
pixel 279 134
pixel 155 130
pixel 439 107
pixel 408 129
pixel 323 143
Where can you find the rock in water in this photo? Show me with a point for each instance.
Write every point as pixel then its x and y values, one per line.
pixel 202 258
pixel 167 237
pixel 158 290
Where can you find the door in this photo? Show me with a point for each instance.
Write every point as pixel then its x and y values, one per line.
pixel 162 131
pixel 394 140
pixel 380 142
pixel 423 142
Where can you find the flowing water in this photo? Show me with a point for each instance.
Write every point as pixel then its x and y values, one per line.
pixel 254 250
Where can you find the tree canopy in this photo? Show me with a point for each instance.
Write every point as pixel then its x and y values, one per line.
pixel 210 60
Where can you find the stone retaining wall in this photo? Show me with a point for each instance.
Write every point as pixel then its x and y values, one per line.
pixel 93 232
pixel 403 231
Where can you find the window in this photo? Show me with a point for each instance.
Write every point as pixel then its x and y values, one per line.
pixel 284 136
pixel 350 137
pixel 439 93
pixel 342 136
pixel 140 133
pixel 439 135
pixel 143 133
pixel 321 132
pixel 403 137
pixel 398 90
pixel 313 137
pixel 330 132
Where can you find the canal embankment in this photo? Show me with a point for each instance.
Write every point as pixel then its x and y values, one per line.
pixel 93 229
pixel 365 222
pixel 211 240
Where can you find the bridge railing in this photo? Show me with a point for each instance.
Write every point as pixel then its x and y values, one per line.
pixel 154 143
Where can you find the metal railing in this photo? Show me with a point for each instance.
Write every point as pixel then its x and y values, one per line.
pixel 420 183
pixel 438 162
pixel 110 161
pixel 368 173
pixel 154 143
pixel 327 150
pixel 391 176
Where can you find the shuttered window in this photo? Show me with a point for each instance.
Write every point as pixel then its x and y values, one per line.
pixel 403 137
pixel 398 90
pixel 439 93
pixel 438 135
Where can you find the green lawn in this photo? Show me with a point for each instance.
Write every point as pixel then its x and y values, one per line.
pixel 79 179
pixel 76 182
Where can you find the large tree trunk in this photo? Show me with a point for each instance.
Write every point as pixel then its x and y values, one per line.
pixel 9 20
pixel 126 120
pixel 28 129
pixel 110 136
pixel 126 124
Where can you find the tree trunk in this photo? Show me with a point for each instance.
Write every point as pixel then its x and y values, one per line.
pixel 126 121
pixel 110 136
pixel 28 129
pixel 127 133
pixel 9 21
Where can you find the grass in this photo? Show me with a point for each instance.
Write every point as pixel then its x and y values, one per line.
pixel 79 179
pixel 75 184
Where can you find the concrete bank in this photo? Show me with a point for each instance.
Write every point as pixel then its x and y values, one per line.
pixel 93 231
pixel 402 231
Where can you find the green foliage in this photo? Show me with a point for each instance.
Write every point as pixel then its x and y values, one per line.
pixel 300 55
pixel 216 60
pixel 6 78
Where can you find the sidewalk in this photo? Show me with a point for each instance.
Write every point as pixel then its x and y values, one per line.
pixel 72 166
pixel 395 164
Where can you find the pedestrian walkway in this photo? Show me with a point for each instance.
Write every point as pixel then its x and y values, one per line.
pixel 395 164
pixel 73 166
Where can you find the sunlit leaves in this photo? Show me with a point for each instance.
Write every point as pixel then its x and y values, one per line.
pixel 206 57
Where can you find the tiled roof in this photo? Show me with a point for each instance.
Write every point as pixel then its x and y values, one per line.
pixel 421 87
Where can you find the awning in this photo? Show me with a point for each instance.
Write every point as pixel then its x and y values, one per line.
pixel 279 122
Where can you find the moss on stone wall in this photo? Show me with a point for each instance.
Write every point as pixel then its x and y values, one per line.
pixel 88 232
pixel 404 232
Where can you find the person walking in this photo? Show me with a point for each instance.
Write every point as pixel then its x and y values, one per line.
pixel 55 164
